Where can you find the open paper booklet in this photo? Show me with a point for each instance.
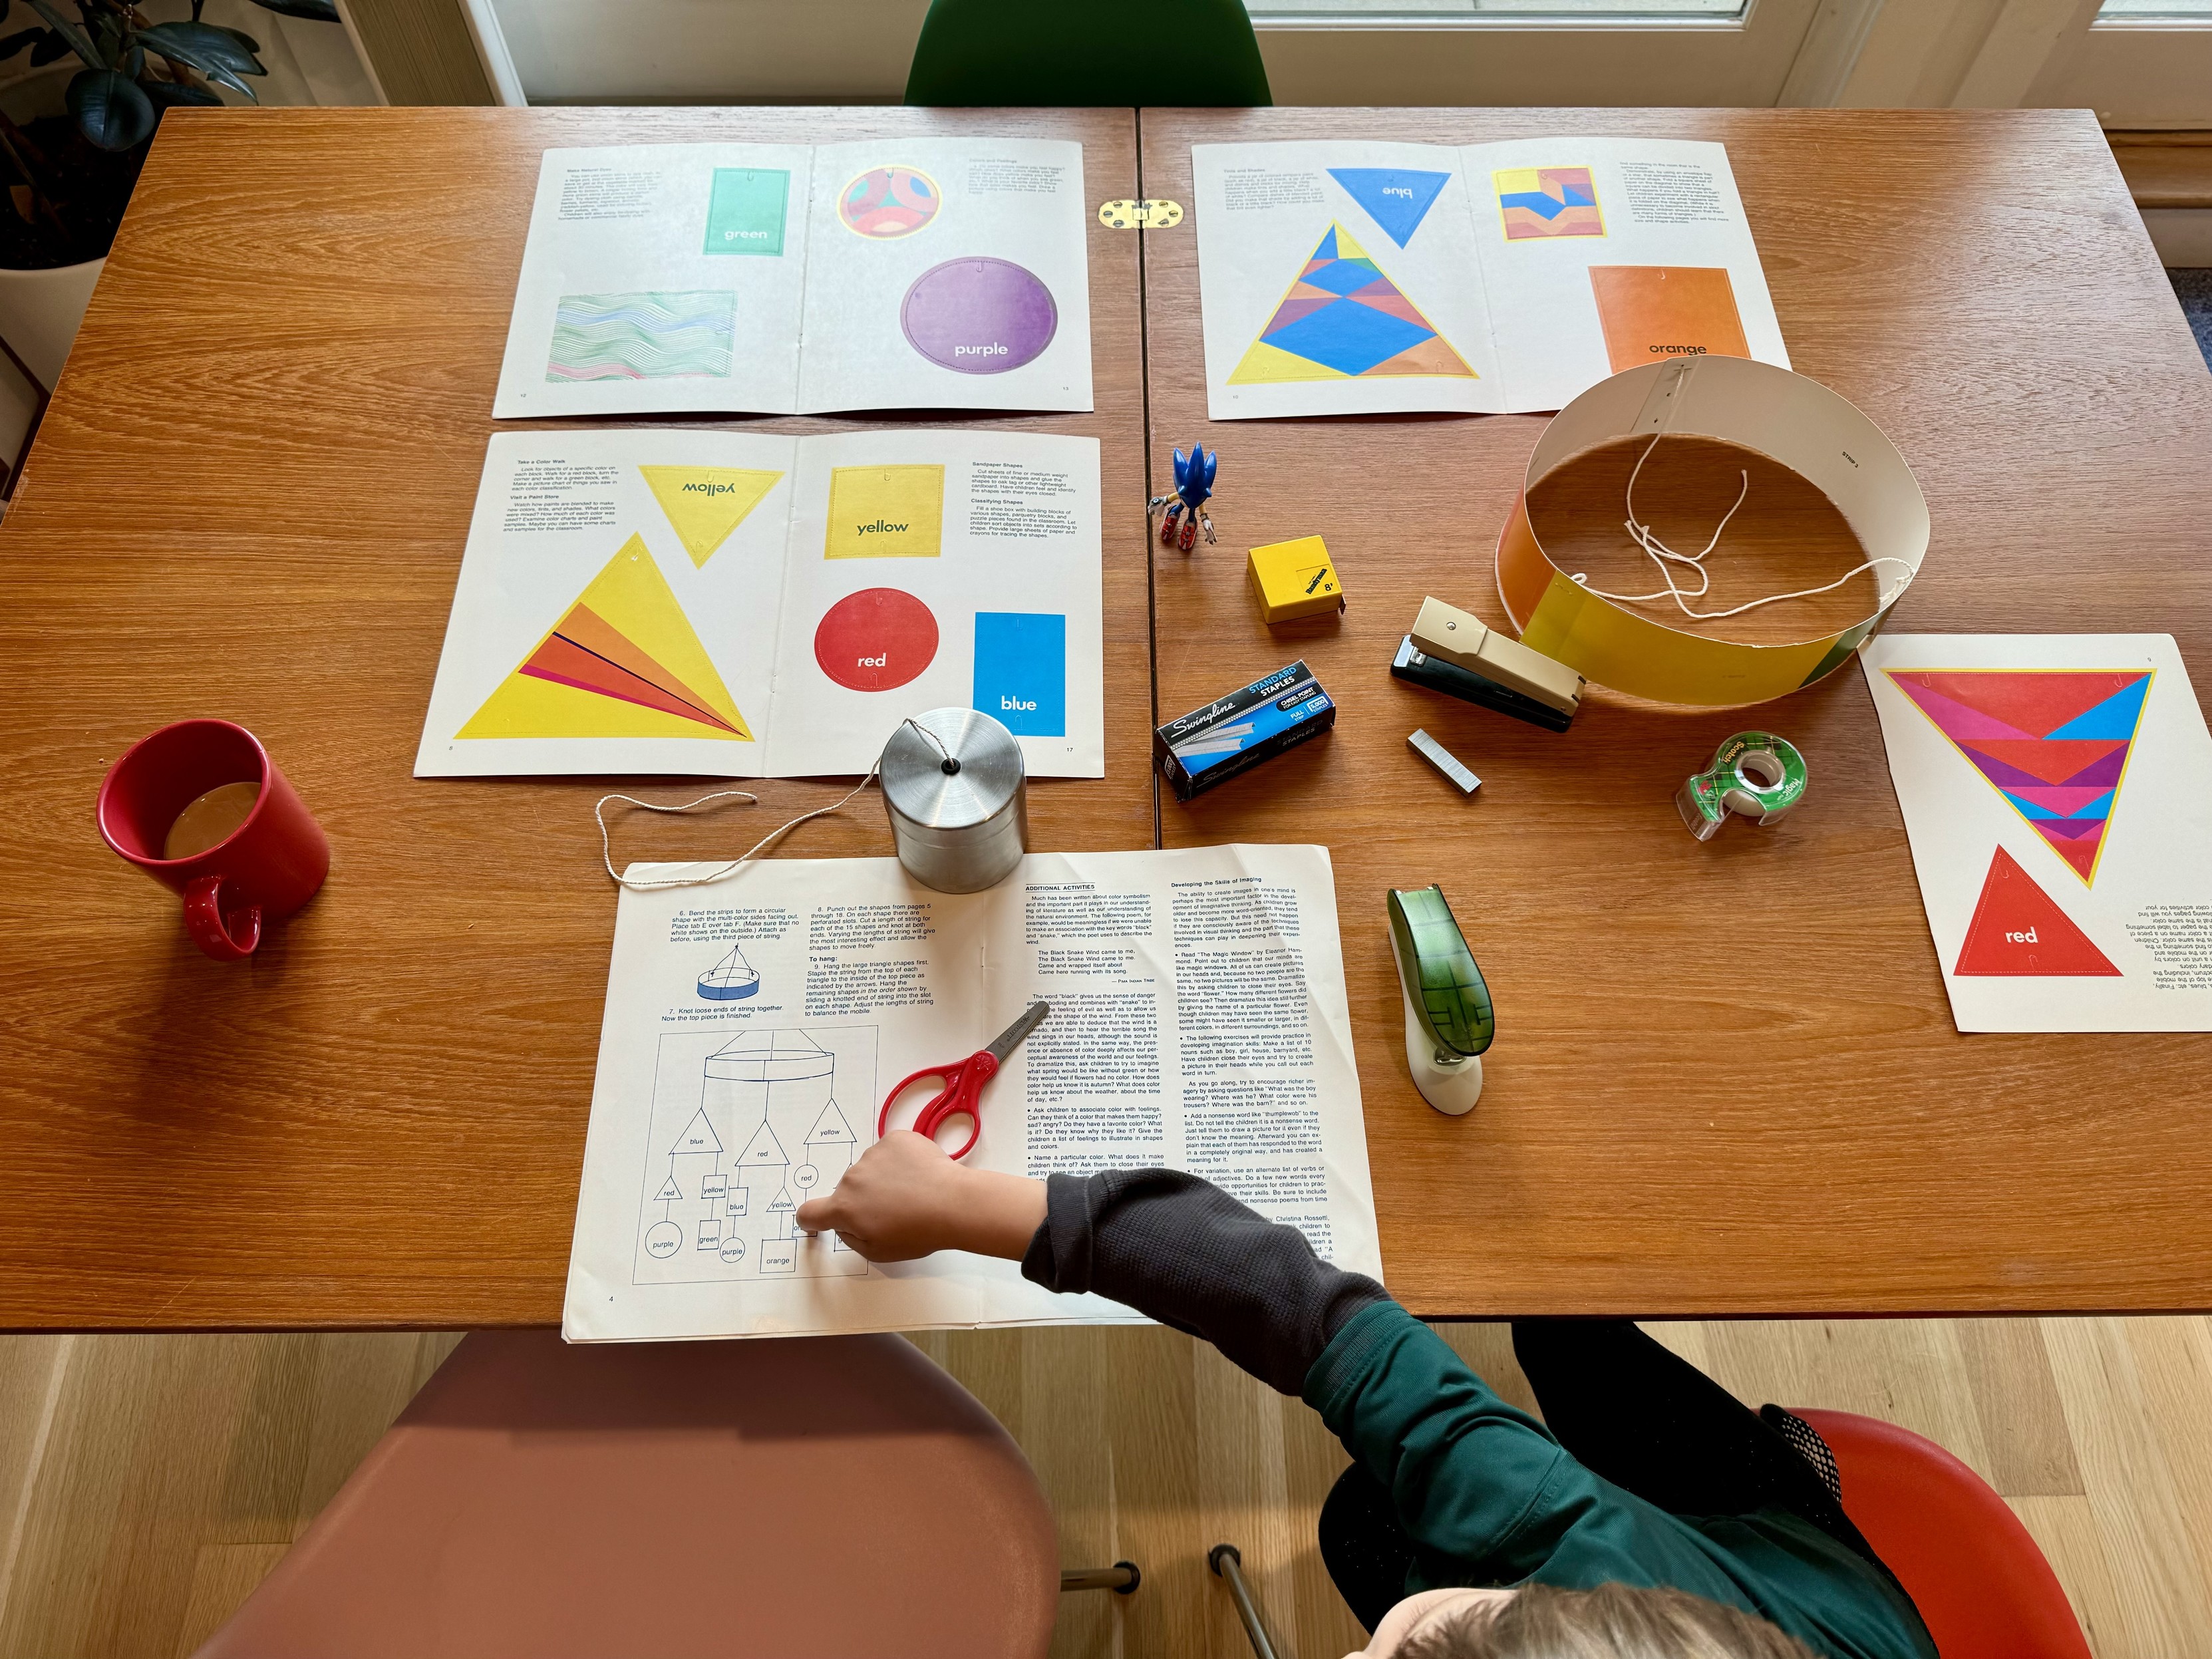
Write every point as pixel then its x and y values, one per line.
pixel 2057 799
pixel 937 273
pixel 754 1026
pixel 742 604
pixel 1343 278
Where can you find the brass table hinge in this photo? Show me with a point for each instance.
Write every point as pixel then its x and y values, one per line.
pixel 1140 215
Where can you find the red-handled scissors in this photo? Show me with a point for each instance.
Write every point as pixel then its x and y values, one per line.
pixel 962 1092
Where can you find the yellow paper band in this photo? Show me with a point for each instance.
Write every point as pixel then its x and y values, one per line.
pixel 1792 420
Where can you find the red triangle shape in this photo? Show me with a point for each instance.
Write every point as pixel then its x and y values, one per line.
pixel 2017 929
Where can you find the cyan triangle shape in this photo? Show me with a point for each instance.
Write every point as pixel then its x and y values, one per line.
pixel 2116 717
pixel 1396 198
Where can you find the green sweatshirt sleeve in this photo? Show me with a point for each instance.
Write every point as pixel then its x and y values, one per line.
pixel 1489 1497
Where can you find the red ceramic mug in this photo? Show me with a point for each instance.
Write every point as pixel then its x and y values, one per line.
pixel 265 867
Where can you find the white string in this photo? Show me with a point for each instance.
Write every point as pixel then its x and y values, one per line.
pixel 606 850
pixel 1663 556
pixel 606 853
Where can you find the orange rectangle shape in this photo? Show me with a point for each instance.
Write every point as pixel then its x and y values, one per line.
pixel 1651 312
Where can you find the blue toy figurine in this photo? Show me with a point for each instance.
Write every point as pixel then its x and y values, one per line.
pixel 1185 514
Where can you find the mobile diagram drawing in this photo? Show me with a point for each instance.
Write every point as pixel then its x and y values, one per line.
pixel 731 979
pixel 746 1127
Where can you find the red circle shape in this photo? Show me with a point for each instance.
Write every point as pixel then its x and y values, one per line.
pixel 876 640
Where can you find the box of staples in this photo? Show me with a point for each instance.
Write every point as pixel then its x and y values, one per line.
pixel 1235 733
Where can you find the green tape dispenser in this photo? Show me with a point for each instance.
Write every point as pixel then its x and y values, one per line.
pixel 1449 1022
pixel 1753 773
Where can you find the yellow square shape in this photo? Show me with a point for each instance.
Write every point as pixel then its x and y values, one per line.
pixel 886 513
pixel 1295 579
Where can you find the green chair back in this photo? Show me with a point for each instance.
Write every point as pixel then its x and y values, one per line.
pixel 1061 54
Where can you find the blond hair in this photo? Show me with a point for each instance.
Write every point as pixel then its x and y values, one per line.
pixel 1613 1621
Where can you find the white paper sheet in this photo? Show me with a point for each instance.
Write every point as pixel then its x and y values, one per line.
pixel 939 273
pixel 2058 796
pixel 778 603
pixel 1198 1021
pixel 1496 305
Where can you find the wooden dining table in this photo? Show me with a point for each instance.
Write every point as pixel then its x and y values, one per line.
pixel 1726 1079
pixel 249 500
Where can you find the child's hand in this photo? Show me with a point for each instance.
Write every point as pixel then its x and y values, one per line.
pixel 906 1199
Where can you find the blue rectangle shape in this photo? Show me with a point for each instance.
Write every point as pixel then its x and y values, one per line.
pixel 1021 671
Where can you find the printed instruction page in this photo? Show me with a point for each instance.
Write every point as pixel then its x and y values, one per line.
pixel 742 604
pixel 1345 278
pixel 2058 796
pixel 755 1026
pixel 937 273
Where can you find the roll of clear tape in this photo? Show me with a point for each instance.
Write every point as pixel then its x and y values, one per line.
pixel 954 792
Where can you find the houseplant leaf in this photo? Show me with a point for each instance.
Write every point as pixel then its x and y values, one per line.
pixel 206 48
pixel 110 109
pixel 79 41
pixel 168 95
pixel 320 11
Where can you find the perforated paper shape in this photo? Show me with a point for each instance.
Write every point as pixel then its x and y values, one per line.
pixel 642 601
pixel 2058 796
pixel 704 504
pixel 1347 277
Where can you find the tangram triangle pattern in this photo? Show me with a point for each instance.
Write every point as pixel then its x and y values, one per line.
pixel 2018 930
pixel 1536 203
pixel 1396 198
pixel 704 504
pixel 1344 320
pixel 624 662
pixel 2054 744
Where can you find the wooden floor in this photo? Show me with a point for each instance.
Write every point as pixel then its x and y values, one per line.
pixel 148 1482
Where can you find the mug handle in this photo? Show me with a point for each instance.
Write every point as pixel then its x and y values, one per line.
pixel 211 930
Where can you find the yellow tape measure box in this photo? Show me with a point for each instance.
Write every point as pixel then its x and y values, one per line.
pixel 1294 579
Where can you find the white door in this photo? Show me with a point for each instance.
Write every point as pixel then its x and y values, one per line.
pixel 2137 63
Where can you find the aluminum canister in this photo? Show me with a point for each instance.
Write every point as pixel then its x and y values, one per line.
pixel 958 810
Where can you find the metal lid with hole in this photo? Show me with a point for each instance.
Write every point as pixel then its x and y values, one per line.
pixel 953 788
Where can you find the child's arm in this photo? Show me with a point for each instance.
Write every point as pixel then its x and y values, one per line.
pixel 1168 1244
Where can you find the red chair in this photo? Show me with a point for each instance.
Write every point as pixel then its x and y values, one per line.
pixel 826 1495
pixel 1971 1568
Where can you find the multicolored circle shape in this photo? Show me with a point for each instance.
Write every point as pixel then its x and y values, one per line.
pixel 885 203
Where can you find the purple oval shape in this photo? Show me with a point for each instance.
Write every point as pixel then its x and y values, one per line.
pixel 979 315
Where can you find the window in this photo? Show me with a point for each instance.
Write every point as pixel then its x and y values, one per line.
pixel 1556 14
pixel 2163 12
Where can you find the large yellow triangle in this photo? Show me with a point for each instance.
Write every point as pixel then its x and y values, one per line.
pixel 631 597
pixel 706 503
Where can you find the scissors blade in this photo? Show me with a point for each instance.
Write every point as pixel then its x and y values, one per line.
pixel 1011 1037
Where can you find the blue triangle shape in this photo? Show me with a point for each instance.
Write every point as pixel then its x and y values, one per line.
pixel 2115 717
pixel 1396 198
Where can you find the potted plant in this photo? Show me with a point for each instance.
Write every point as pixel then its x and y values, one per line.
pixel 68 173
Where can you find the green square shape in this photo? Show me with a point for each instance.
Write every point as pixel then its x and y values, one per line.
pixel 745 214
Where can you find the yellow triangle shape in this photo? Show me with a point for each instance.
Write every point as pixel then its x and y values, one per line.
pixel 704 504
pixel 632 597
pixel 1264 365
